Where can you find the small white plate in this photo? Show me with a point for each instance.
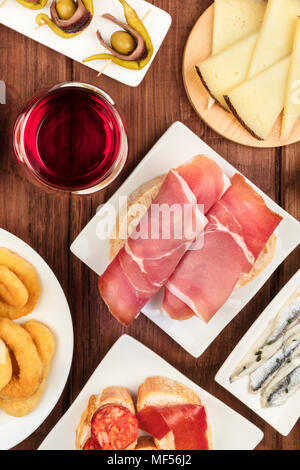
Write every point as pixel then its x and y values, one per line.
pixel 53 310
pixel 229 429
pixel 282 418
pixel 158 22
pixel 176 146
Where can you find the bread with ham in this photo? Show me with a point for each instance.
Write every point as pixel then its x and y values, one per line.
pixel 129 217
pixel 109 422
pixel 173 414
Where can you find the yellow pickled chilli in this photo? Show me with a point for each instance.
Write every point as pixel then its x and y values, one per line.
pixel 33 6
pixel 43 19
pixel 136 23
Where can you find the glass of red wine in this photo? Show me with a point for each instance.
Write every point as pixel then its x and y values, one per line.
pixel 72 138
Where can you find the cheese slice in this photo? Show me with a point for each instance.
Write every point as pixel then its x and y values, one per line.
pixel 257 102
pixel 224 71
pixel 276 36
pixel 292 98
pixel 234 20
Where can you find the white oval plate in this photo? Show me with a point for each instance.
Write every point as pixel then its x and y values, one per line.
pixel 230 431
pixel 282 418
pixel 53 310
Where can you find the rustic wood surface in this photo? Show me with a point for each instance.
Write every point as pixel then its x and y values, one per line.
pixel 50 222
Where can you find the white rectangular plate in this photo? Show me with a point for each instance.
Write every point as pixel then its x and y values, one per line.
pixel 176 146
pixel 282 418
pixel 22 19
pixel 229 429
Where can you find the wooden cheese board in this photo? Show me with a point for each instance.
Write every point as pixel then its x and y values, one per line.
pixel 198 48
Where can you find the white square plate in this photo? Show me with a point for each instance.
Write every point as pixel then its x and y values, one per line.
pixel 176 146
pixel 158 22
pixel 282 418
pixel 229 429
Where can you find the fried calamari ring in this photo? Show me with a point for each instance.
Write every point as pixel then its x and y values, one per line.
pixel 45 344
pixel 28 276
pixel 12 290
pixel 28 379
pixel 5 365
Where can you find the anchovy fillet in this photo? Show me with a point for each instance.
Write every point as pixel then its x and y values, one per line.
pixel 286 320
pixel 267 369
pixel 281 389
pixel 286 317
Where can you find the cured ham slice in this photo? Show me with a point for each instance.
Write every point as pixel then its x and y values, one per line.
pixel 188 423
pixel 239 226
pixel 158 243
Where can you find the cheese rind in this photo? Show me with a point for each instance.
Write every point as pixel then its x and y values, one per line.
pixel 276 35
pixel 234 20
pixel 292 98
pixel 258 102
pixel 224 71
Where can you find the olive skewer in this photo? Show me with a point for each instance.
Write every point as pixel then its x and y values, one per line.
pixel 68 18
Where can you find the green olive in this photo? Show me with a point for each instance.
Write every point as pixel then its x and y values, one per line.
pixel 65 9
pixel 123 42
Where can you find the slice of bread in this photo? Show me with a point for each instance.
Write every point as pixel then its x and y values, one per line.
pixel 145 443
pixel 110 395
pixel 161 391
pixel 130 215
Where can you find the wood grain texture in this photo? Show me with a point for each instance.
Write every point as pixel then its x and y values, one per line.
pixel 50 222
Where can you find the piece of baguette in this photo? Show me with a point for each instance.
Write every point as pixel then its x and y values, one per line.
pixel 143 197
pixel 145 443
pixel 110 395
pixel 161 391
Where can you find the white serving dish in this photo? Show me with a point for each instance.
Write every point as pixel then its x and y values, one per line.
pixel 53 310
pixel 158 22
pixel 229 429
pixel 282 418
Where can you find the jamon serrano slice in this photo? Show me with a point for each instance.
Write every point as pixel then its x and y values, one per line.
pixel 162 237
pixel 187 423
pixel 238 228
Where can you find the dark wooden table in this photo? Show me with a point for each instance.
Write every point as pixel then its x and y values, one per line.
pixel 50 222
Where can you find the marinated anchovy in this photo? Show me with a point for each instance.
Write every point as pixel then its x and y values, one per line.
pixel 267 369
pixel 278 393
pixel 285 319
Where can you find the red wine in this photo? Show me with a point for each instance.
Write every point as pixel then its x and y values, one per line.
pixel 71 138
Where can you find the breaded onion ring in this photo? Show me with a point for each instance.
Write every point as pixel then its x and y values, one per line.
pixel 29 375
pixel 28 276
pixel 45 344
pixel 12 290
pixel 5 365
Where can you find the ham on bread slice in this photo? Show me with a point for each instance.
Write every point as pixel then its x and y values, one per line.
pixel 112 401
pixel 146 261
pixel 239 227
pixel 174 413
pixel 129 217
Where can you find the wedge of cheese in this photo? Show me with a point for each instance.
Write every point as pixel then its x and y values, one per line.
pixel 276 36
pixel 234 20
pixel 224 71
pixel 258 102
pixel 291 111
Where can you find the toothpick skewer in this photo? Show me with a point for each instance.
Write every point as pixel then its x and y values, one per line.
pixel 110 61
